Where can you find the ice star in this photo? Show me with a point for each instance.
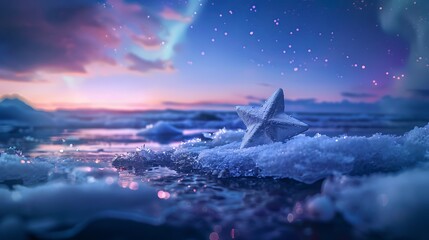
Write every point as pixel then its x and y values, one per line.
pixel 269 123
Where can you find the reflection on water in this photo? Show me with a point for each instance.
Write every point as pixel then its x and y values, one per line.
pixel 68 141
pixel 113 141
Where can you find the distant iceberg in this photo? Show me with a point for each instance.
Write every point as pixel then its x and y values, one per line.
pixel 14 112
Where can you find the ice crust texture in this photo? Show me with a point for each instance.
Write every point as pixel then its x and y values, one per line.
pixel 302 158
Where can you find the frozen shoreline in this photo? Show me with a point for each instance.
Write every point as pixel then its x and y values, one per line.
pixel 369 181
pixel 302 158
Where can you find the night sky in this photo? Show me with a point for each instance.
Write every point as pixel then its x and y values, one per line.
pixel 142 54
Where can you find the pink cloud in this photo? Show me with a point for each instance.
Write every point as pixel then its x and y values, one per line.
pixel 68 36
pixel 170 14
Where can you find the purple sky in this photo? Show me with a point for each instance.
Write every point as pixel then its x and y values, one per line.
pixel 211 54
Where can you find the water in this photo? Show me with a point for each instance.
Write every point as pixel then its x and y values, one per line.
pixel 201 206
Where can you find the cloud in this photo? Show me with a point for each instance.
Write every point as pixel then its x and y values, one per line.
pixel 149 43
pixel 408 19
pixel 50 35
pixel 385 105
pixel 170 14
pixel 421 92
pixel 201 105
pixel 357 95
pixel 15 76
pixel 254 98
pixel 142 65
pixel 263 84
pixel 57 37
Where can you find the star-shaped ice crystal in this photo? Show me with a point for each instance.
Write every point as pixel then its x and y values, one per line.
pixel 269 123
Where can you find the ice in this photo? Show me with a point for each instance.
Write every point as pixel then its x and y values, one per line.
pixel 42 209
pixel 308 159
pixel 161 132
pixel 303 158
pixel 14 112
pixel 16 169
pixel 320 208
pixel 395 205
pixel 161 128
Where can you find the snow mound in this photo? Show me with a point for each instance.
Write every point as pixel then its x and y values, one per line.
pixel 302 158
pixel 393 204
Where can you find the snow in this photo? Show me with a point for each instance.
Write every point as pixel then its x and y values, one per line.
pixel 303 158
pixel 320 208
pixel 376 183
pixel 42 209
pixel 393 204
pixel 308 159
pixel 15 168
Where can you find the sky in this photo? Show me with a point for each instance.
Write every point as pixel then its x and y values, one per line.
pixel 156 54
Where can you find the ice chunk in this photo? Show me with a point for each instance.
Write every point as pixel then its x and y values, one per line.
pixel 395 205
pixel 161 132
pixel 16 169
